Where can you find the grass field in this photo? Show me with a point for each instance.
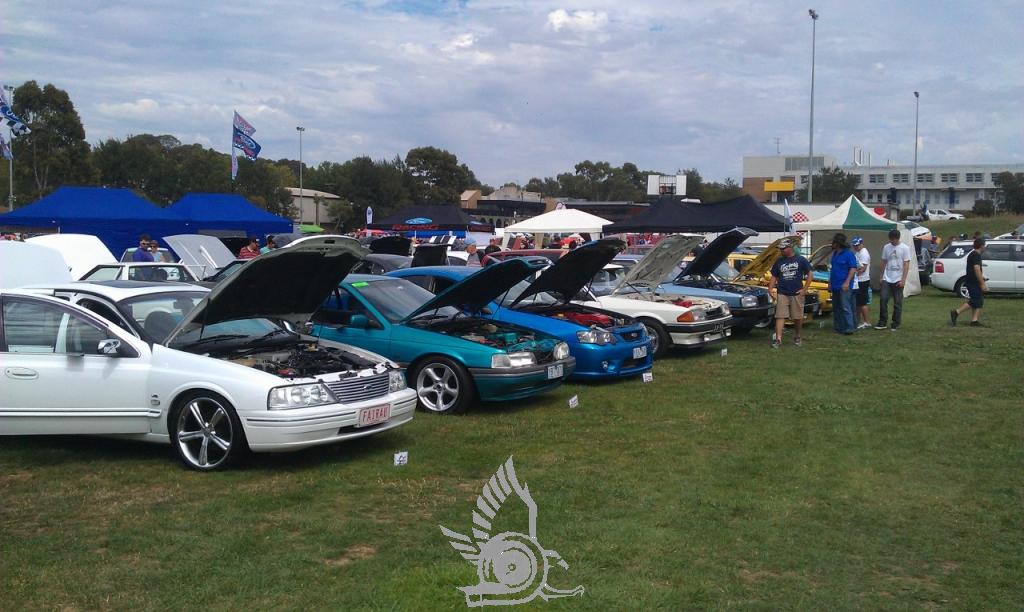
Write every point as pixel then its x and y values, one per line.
pixel 994 226
pixel 879 471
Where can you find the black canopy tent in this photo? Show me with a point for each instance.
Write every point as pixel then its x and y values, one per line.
pixel 430 219
pixel 669 214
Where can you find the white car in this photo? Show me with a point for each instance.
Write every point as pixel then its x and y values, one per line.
pixel 938 214
pixel 140 271
pixel 1002 265
pixel 670 319
pixel 213 373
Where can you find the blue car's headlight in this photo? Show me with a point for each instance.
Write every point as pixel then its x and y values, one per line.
pixel 748 301
pixel 299 396
pixel 595 335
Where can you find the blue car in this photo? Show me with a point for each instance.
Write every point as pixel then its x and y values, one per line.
pixel 702 277
pixel 605 344
pixel 451 358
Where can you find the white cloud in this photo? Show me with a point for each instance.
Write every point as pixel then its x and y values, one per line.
pixel 139 109
pixel 579 21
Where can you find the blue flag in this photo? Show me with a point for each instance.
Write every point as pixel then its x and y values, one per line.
pixel 17 125
pixel 244 143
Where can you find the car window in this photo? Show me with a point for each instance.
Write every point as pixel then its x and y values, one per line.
pixel 103 273
pixel 997 252
pixel 955 251
pixel 397 298
pixel 159 313
pixel 104 311
pixel 1018 252
pixel 421 280
pixel 38 327
pixel 159 274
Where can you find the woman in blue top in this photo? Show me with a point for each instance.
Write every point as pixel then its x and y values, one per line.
pixel 840 283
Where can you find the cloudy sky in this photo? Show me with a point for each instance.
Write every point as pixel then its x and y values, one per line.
pixel 529 88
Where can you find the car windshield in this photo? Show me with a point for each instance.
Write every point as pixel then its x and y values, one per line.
pixel 160 274
pixel 518 289
pixel 227 271
pixel 396 298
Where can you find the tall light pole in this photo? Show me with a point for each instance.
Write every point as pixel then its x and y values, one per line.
pixel 917 105
pixel 10 142
pixel 300 130
pixel 810 151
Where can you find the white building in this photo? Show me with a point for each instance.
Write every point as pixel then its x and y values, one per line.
pixel 305 204
pixel 774 177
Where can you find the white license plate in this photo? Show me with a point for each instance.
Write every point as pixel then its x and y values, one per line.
pixel 640 352
pixel 374 415
pixel 555 371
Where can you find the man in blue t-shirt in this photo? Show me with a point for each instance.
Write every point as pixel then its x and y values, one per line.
pixel 792 275
pixel 840 283
pixel 144 252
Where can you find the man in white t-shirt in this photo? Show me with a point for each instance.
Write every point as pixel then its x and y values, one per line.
pixel 895 266
pixel 863 278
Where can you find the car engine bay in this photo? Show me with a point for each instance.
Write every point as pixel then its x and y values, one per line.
pixel 496 335
pixel 587 317
pixel 305 359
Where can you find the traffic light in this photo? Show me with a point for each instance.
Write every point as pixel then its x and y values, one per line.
pixel 892 195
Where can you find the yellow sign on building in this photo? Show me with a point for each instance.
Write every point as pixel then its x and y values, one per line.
pixel 774 186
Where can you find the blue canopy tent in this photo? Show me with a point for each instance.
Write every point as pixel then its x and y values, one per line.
pixel 215 213
pixel 115 216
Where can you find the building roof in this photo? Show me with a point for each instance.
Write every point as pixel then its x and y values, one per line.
pixel 312 193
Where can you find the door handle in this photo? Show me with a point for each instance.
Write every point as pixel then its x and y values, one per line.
pixel 21 373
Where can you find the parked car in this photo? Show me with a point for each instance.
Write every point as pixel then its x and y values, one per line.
pixel 756 269
pixel 213 373
pixel 140 271
pixel 165 255
pixel 81 252
pixel 1002 263
pixel 938 214
pixel 671 320
pixel 918 231
pixel 605 344
pixel 708 275
pixel 452 358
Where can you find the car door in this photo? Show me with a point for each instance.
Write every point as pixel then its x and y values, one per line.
pixel 339 311
pixel 56 380
pixel 999 267
pixel 1018 260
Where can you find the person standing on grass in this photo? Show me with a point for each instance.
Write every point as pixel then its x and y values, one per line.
pixel 792 275
pixel 896 266
pixel 841 282
pixel 863 295
pixel 976 286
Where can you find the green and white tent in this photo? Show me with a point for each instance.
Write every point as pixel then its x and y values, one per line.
pixel 854 219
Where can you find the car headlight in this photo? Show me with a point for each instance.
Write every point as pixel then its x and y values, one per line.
pixel 396 381
pixel 692 316
pixel 512 360
pixel 748 301
pixel 725 309
pixel 595 335
pixel 562 351
pixel 299 396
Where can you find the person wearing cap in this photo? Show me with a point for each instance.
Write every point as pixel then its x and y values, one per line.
pixel 896 265
pixel 842 283
pixel 863 278
pixel 474 255
pixel 791 277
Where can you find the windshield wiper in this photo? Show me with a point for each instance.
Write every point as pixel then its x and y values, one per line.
pixel 216 338
pixel 273 333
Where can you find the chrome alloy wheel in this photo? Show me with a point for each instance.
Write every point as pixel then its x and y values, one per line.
pixel 653 335
pixel 204 433
pixel 437 387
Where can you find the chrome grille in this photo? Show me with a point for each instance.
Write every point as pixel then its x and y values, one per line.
pixel 714 313
pixel 762 300
pixel 349 390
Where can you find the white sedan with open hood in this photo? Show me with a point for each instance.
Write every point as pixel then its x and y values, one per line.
pixel 214 373
pixel 670 319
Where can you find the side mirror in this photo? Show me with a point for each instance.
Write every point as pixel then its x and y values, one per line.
pixel 110 347
pixel 358 321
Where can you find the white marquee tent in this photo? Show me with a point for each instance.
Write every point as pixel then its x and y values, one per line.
pixel 562 221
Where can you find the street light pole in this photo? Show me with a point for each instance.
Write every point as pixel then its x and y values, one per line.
pixel 810 151
pixel 10 142
pixel 300 130
pixel 917 105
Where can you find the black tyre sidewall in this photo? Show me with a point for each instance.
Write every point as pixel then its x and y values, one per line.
pixel 660 335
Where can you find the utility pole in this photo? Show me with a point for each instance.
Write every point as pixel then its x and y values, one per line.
pixel 777 141
pixel 917 106
pixel 316 213
pixel 810 152
pixel 10 142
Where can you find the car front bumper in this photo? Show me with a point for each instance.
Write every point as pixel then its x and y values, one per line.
pixel 499 385
pixel 286 430
pixel 749 318
pixel 699 334
pixel 611 360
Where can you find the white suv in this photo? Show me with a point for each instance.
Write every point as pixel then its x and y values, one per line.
pixel 937 214
pixel 1002 263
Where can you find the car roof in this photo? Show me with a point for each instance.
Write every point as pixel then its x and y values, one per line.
pixel 366 278
pixel 455 270
pixel 123 289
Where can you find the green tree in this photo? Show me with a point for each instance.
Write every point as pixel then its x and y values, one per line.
pixel 984 208
pixel 55 153
pixel 436 176
pixel 1010 194
pixel 832 184
pixel 716 192
pixel 141 163
pixel 264 184
pixel 340 213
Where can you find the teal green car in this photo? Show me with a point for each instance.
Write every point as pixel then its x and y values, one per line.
pixel 451 358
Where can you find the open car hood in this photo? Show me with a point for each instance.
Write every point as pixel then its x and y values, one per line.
pixel 391 245
pixel 81 252
pixel 573 271
pixel 651 271
pixel 204 254
pixel 717 251
pixel 480 288
pixel 26 263
pixel 289 283
pixel 762 264
pixel 429 255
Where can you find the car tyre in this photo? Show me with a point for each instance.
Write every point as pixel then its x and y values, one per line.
pixel 960 288
pixel 659 337
pixel 442 385
pixel 206 433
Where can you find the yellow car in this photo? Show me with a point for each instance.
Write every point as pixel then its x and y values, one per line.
pixel 756 269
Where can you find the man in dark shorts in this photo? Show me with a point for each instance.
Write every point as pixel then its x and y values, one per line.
pixel 792 274
pixel 976 286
